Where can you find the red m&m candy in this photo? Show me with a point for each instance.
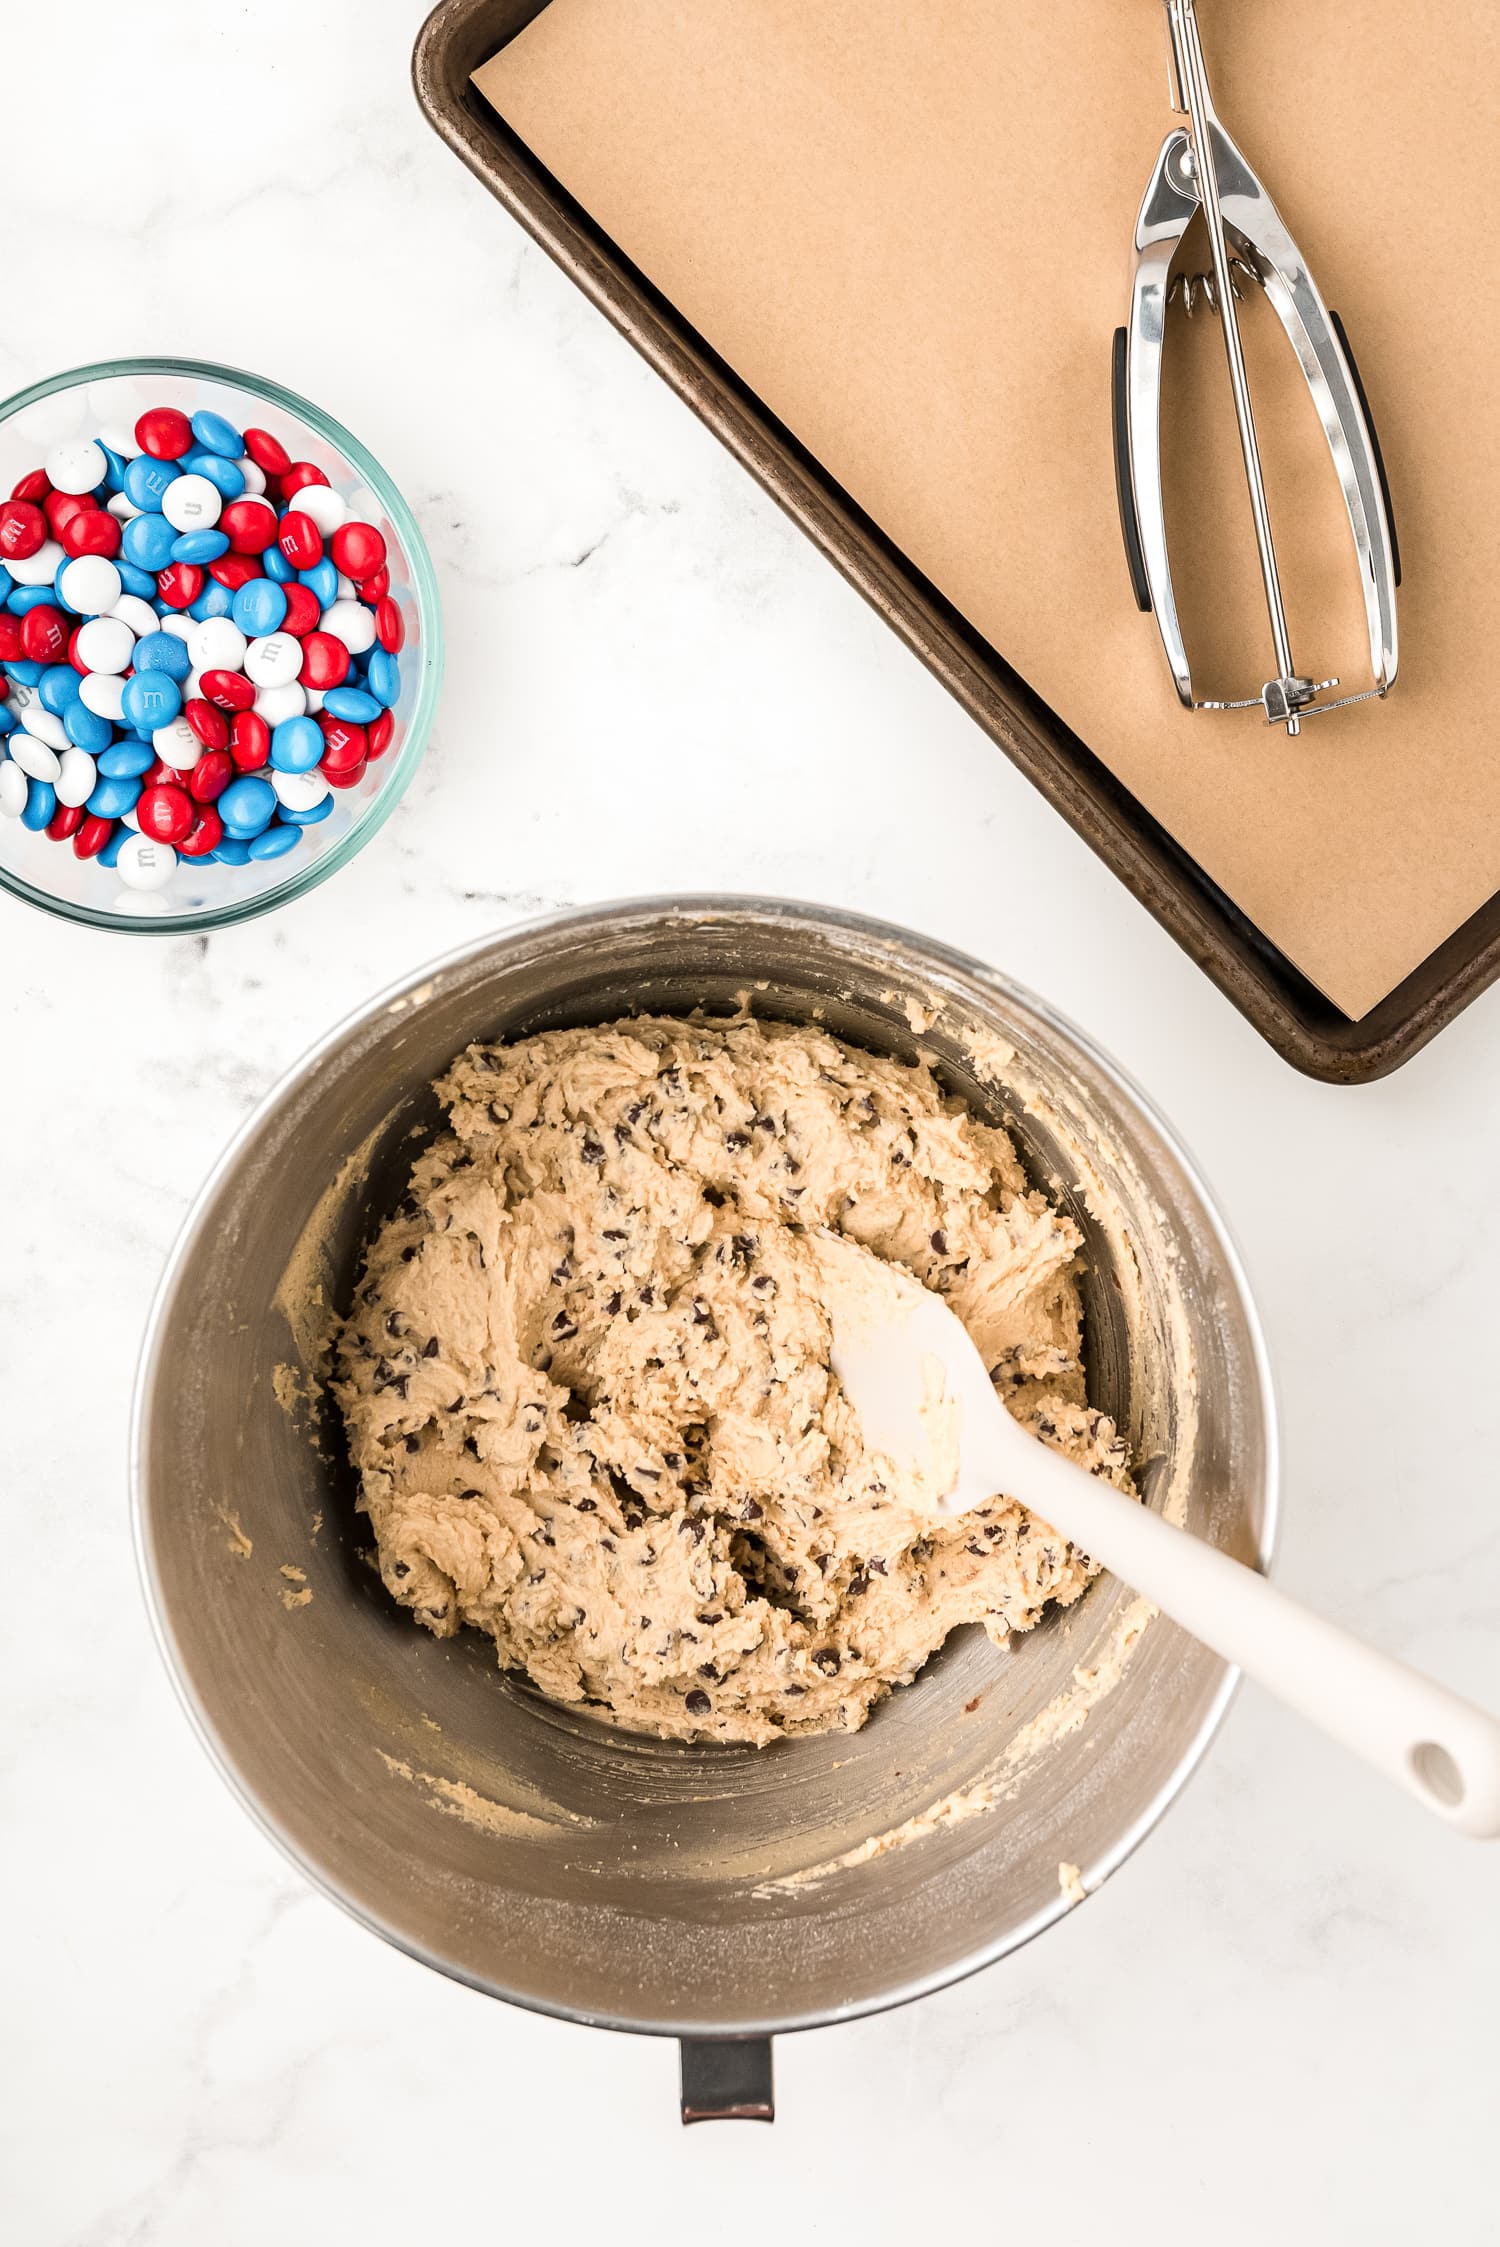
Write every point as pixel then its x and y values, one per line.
pixel 210 725
pixel 166 434
pixel 358 549
pixel 380 733
pixel 299 473
pixel 165 814
pixel 302 610
pixel 210 776
pixel 325 661
pixel 33 487
pixel 179 585
pixel 390 626
pixel 23 530
pixel 92 836
pixel 90 531
pixel 205 834
pixel 60 508
pixel 300 540
pixel 249 740
pixel 344 744
pixel 231 690
pixel 234 570
pixel 65 821
pixel 348 776
pixel 44 634
pixel 249 525
pixel 267 452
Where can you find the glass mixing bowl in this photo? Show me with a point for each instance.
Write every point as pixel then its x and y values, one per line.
pixel 205 895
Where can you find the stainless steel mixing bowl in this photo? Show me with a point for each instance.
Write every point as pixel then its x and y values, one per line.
pixel 529 1849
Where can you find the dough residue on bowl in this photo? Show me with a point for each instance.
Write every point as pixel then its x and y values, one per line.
pixel 586 1379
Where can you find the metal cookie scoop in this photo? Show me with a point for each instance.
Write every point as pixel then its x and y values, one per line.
pixel 1200 168
pixel 926 1402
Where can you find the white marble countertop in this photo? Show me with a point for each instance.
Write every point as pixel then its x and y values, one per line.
pixel 1279 2018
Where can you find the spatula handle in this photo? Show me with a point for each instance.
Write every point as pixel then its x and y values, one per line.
pixel 1440 1748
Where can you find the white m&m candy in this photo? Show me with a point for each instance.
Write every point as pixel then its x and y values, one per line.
pixel 273 661
pixel 217 644
pixel 177 745
pixel 351 622
pixel 192 503
pixel 106 643
pixel 77 466
pixel 144 863
pixel 91 586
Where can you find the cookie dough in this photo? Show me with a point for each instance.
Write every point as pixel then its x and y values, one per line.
pixel 586 1382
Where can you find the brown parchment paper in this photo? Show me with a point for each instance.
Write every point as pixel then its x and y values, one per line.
pixel 906 224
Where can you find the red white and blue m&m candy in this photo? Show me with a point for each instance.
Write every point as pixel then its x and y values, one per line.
pixel 198 647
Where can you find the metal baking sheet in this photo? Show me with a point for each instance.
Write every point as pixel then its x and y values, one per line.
pixel 1281 1003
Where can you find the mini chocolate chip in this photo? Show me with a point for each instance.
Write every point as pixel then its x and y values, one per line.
pixel 413 1443
pixel 592 1151
pixel 698 1703
pixel 716 1617
pixel 737 1141
pixel 400 1568
pixel 407 1254
pixel 827 1661
pixel 940 1243
pixel 752 1510
pixel 586 1506
pixel 430 1349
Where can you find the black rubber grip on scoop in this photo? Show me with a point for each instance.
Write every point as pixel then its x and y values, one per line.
pixel 1364 406
pixel 1130 529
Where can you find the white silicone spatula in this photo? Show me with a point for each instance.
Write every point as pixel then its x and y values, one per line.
pixel 924 1398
